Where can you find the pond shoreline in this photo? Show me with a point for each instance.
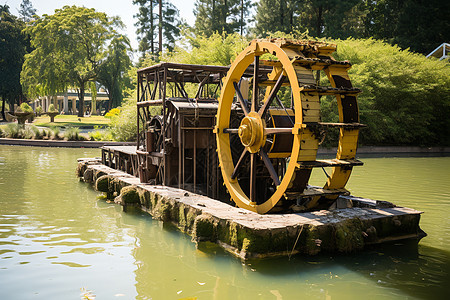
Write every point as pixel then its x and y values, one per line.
pixel 96 144
pixel 61 144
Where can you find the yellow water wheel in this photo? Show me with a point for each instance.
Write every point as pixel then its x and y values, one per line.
pixel 267 147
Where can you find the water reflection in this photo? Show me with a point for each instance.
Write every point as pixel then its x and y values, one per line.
pixel 57 237
pixel 402 268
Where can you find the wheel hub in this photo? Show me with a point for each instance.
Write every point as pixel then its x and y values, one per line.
pixel 251 132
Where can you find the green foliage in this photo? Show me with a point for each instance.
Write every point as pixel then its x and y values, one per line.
pixel 16 131
pixel 24 107
pixel 70 45
pixel 27 11
pixel 151 24
pixel 217 49
pixel 124 125
pixel 56 132
pixel 405 99
pixel 27 133
pixel 12 130
pixel 37 133
pixel 221 16
pixel 12 50
pixel 73 134
pixel 412 24
pixel 111 72
pixel 100 135
pixel 275 15
pixel 418 25
pixel 112 113
pixel 331 18
pixel 51 108
pixel 39 110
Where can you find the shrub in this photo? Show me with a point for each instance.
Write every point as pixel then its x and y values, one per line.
pixel 13 131
pixel 72 133
pixel 47 133
pixel 124 125
pixel 100 135
pixel 51 108
pixel 218 49
pixel 112 113
pixel 26 108
pixel 405 95
pixel 28 133
pixel 37 132
pixel 39 110
pixel 56 131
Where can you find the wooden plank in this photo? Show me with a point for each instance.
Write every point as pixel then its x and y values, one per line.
pixel 316 191
pixel 330 163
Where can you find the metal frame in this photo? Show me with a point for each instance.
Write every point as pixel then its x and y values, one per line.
pixel 165 86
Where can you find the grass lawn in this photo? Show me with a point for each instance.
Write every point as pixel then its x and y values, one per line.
pixel 72 120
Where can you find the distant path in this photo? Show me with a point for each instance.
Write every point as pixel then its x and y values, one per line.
pixel 62 144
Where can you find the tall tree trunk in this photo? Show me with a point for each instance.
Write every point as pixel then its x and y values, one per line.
pixel 291 17
pixel 160 26
pixel 213 17
pixel 152 28
pixel 81 100
pixel 242 17
pixel 319 22
pixel 224 15
pixel 3 108
pixel 108 108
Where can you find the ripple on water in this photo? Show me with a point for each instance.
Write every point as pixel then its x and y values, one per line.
pixel 70 264
pixel 68 240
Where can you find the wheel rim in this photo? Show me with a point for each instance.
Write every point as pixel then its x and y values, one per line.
pixel 252 131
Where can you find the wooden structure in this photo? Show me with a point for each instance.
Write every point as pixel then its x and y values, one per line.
pixel 259 138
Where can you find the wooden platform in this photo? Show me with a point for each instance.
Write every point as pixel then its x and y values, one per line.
pixel 250 235
pixel 122 158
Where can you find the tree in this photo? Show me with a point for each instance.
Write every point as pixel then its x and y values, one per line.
pixel 405 99
pixel 170 26
pixel 27 11
pixel 12 51
pixel 112 72
pixel 244 10
pixel 320 18
pixel 158 25
pixel 217 49
pixel 70 45
pixel 276 15
pixel 221 16
pixel 415 24
pixel 146 29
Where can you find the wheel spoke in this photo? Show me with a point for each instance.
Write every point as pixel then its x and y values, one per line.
pixel 238 165
pixel 269 166
pixel 241 99
pixel 282 106
pixel 231 130
pixel 275 130
pixel 255 84
pixel 253 177
pixel 272 96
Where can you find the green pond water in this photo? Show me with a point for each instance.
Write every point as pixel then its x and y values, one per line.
pixel 59 241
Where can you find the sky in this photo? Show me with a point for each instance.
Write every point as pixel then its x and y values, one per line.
pixel 122 8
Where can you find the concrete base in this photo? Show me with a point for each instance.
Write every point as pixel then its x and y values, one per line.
pixel 249 235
